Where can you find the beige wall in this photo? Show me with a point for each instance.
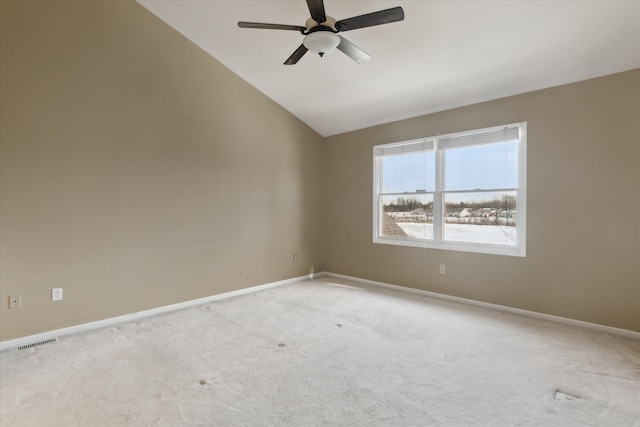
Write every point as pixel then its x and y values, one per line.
pixel 137 171
pixel 583 231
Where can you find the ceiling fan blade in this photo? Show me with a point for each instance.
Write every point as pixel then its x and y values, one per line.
pixel 316 8
pixel 263 26
pixel 295 56
pixel 370 19
pixel 353 51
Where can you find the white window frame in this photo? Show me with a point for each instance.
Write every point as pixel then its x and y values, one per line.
pixel 438 142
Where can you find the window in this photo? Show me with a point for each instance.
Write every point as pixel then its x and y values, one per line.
pixel 464 191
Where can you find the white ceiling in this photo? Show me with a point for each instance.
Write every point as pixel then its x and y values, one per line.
pixel 445 54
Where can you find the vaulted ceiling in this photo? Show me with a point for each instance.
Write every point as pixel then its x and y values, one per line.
pixel 444 54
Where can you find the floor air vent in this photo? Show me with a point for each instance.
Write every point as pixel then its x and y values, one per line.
pixel 35 344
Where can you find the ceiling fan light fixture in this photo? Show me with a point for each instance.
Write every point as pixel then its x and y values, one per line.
pixel 321 42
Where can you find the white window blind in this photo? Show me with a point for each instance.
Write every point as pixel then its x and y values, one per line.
pixel 404 148
pixel 490 137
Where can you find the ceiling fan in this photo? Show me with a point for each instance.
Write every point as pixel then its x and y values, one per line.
pixel 320 31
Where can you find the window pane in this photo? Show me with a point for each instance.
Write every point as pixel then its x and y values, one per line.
pixel 411 172
pixel 482 167
pixel 479 176
pixel 481 217
pixel 410 216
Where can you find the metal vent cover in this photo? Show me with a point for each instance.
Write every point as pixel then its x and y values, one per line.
pixel 35 344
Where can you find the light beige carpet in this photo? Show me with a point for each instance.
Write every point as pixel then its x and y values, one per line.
pixel 326 352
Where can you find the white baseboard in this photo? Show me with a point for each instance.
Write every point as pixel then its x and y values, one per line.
pixel 14 343
pixel 557 319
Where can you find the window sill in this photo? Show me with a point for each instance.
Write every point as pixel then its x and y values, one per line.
pixel 505 250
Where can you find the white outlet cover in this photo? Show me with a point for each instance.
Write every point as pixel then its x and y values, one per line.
pixel 15 301
pixel 56 294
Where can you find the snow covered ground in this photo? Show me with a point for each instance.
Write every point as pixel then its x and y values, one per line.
pixel 463 232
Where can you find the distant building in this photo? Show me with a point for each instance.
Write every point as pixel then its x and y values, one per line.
pixel 465 213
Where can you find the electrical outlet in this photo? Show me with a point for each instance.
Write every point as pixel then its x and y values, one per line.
pixel 442 268
pixel 15 301
pixel 56 294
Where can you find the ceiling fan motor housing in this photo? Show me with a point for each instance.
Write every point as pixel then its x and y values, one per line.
pixel 329 23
